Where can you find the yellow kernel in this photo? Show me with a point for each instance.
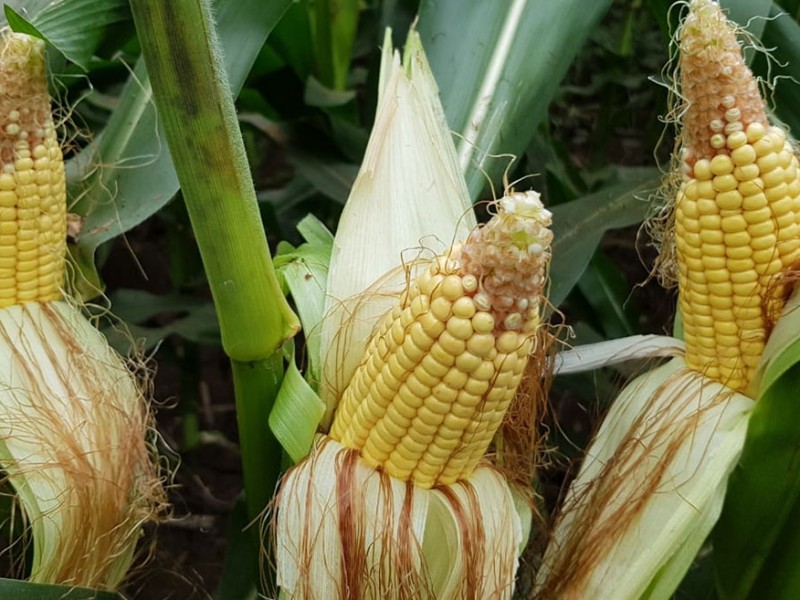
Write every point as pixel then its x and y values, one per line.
pixel 508 342
pixel 464 307
pixel 416 387
pixel 706 189
pixel 455 378
pixel 721 165
pixel 452 288
pixel 763 147
pixel 744 276
pixel 773 177
pixel 767 163
pixel 7 182
pixel 736 140
pixel 480 343
pixel 755 131
pixel 433 367
pixel 711 236
pixel 419 305
pixel 486 371
pixel 720 302
pixel 746 172
pixel 737 238
pixel 459 328
pixel 729 200
pixel 483 322
pixel 707 206
pixel 440 351
pixel 717 276
pixel 725 183
pixel 757 216
pixel 733 224
pixel 740 265
pixel 754 201
pixel 689 190
pixel 468 362
pixel 424 377
pixel 712 262
pixel 702 170
pixel 739 252
pixel 429 281
pixel 759 229
pixel 421 339
pixel 441 308
pixel 710 221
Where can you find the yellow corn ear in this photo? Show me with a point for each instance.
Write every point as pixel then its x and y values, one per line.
pixel 737 213
pixel 32 186
pixel 442 367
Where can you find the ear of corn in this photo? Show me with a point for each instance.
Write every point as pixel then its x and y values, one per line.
pixel 398 501
pixel 73 422
pixel 737 214
pixel 444 364
pixel 32 189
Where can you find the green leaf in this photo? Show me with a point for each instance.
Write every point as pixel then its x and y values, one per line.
pixel 296 413
pixel 24 590
pixel 782 33
pixel 579 225
pixel 240 572
pixel 605 289
pixel 127 175
pixel 333 26
pixel 764 489
pixel 194 319
pixel 305 270
pixel 498 66
pixel 73 27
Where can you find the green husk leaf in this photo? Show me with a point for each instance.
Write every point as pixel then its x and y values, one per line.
pixel 25 590
pixel 296 414
pixel 764 489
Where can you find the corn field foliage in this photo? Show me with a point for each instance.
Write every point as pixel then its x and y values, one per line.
pixel 568 98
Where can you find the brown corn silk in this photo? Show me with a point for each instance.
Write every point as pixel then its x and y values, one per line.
pixel 443 366
pixel 737 212
pixel 32 188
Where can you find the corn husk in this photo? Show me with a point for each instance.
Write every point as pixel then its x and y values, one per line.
pixel 346 530
pixel 649 490
pixel 409 197
pixel 73 427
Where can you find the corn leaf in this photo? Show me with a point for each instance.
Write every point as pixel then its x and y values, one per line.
pixel 296 413
pixel 498 65
pixel 578 226
pixel 126 175
pixel 764 489
pixel 73 27
pixel 782 33
pixel 240 570
pixel 23 590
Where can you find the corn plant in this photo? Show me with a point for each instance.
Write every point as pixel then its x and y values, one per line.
pixel 390 379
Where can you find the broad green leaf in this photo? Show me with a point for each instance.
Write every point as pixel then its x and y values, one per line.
pixel 73 27
pixel 240 572
pixel 333 27
pixel 764 489
pixel 578 226
pixel 126 175
pixel 23 590
pixel 782 34
pixel 498 65
pixel 194 319
pixel 606 291
pixel 750 14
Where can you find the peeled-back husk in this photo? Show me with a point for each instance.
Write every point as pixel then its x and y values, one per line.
pixel 348 531
pixel 73 430
pixel 650 488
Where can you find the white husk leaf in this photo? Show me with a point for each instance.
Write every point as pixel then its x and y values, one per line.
pixel 72 442
pixel 603 354
pixel 650 489
pixel 409 195
pixel 445 543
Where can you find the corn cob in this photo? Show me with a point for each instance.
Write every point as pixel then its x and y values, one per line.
pixel 442 367
pixel 32 188
pixel 737 214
